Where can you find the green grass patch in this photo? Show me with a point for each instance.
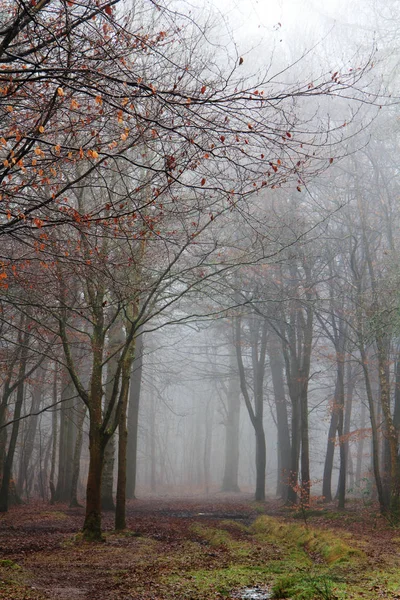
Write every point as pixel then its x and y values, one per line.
pixel 53 515
pixel 14 584
pixel 201 584
pixel 328 546
pixel 275 554
pixel 6 563
pixel 220 537
pixel 297 562
pixel 308 586
pixel 213 536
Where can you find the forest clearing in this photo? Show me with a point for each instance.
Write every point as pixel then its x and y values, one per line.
pixel 201 548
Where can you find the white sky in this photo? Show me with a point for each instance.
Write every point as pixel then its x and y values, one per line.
pixel 293 26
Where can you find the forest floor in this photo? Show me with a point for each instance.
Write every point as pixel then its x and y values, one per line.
pixel 200 548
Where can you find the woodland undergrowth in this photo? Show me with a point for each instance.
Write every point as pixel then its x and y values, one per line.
pixel 200 550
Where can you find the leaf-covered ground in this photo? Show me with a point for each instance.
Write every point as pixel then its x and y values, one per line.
pixel 199 549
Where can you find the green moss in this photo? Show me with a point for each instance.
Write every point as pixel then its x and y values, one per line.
pixel 328 546
pixel 6 563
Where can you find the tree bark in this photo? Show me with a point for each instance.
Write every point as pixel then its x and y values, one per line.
pixel 231 462
pixel 92 524
pixel 284 446
pixel 344 444
pixel 77 457
pixel 258 342
pixel 116 340
pixel 261 463
pixel 29 442
pixel 120 507
pixel 7 469
pixel 66 441
pixel 336 415
pixel 54 441
pixel 133 417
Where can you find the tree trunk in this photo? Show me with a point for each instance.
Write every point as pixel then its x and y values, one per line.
pixel 330 451
pixel 133 417
pixel 261 463
pixel 344 444
pixel 120 507
pixel 54 441
pixel 258 342
pixel 29 442
pixel 294 454
pixel 231 462
pixel 107 486
pixel 8 463
pixel 391 430
pixel 284 449
pixel 5 484
pixel 208 421
pixel 375 440
pixel 77 457
pixel 116 339
pixel 66 441
pixel 305 451
pixel 383 374
pixel 152 443
pixel 92 524
pixel 336 415
pixel 307 327
pixel 360 448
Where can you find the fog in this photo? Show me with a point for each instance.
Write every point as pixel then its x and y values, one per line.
pixel 214 304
